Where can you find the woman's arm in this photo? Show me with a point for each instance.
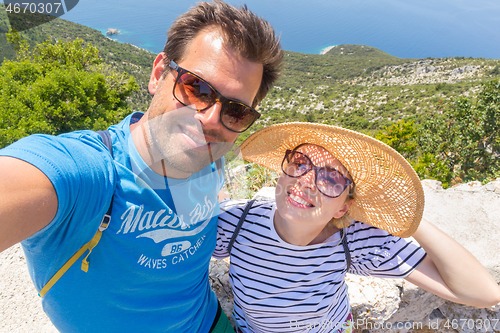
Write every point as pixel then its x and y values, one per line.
pixel 452 272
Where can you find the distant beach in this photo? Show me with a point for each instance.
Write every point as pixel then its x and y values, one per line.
pixel 326 49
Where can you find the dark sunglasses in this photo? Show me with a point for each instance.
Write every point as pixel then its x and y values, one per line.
pixel 329 181
pixel 197 94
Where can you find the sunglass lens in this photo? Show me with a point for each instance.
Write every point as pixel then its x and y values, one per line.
pixel 296 164
pixel 238 117
pixel 331 182
pixel 192 91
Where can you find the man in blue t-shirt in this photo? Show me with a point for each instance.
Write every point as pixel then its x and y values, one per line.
pixel 149 270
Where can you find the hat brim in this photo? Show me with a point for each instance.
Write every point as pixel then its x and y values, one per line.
pixel 389 193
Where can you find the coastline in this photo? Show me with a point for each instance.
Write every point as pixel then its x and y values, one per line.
pixel 326 49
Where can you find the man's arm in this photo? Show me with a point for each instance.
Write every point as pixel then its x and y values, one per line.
pixel 28 201
pixel 452 272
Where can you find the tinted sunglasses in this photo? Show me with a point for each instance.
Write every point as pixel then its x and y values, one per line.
pixel 197 94
pixel 329 181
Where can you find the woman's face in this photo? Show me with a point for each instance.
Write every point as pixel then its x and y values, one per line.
pixel 299 201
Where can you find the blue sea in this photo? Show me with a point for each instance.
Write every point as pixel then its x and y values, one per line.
pixel 403 28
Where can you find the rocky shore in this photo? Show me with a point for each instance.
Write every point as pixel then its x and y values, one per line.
pixel 469 212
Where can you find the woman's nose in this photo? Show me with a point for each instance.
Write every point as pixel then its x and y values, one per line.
pixel 308 180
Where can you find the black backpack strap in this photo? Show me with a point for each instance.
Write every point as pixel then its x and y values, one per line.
pixel 238 226
pixel 106 139
pixel 346 249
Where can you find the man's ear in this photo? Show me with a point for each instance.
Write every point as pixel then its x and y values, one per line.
pixel 157 72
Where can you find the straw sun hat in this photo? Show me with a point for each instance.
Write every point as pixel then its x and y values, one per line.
pixel 389 194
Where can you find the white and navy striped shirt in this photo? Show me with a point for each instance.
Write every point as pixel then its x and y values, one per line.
pixel 280 287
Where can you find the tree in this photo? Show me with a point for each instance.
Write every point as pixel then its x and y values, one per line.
pixel 466 136
pixel 459 143
pixel 401 136
pixel 58 87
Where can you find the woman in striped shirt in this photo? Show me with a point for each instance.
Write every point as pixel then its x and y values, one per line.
pixel 343 203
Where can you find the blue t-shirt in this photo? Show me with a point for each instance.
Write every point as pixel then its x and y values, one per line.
pixel 149 272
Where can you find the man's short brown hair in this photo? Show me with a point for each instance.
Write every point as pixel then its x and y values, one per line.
pixel 251 36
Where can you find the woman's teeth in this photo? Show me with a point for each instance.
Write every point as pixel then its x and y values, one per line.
pixel 300 200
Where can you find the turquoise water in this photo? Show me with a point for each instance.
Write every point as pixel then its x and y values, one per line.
pixel 407 29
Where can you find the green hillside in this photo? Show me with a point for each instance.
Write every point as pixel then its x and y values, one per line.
pixel 123 57
pixel 442 114
pixel 335 66
pixel 355 86
pixel 366 89
pixel 350 51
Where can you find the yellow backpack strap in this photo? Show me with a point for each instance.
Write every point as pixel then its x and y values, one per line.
pixel 85 264
pixel 106 138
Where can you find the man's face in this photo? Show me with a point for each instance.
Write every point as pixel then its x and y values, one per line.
pixel 187 140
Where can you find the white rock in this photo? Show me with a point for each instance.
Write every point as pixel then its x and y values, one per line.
pixel 469 213
pixel 471 186
pixel 265 193
pixel 432 184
